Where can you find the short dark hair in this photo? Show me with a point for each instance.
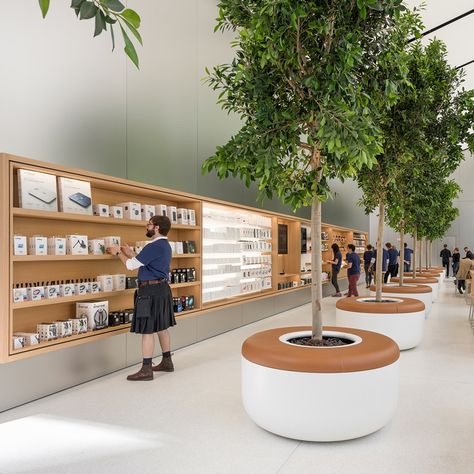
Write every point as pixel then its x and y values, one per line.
pixel 352 247
pixel 369 247
pixel 445 245
pixel 405 244
pixel 163 222
pixel 388 245
pixel 335 248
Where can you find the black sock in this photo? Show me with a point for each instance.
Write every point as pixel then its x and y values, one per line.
pixel 167 354
pixel 147 361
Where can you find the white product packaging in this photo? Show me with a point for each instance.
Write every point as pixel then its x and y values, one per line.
pixel 95 287
pixel 106 282
pixel 118 282
pixel 182 215
pixel 161 210
pixel 19 245
pixel 96 246
pixel 191 217
pixel 81 288
pixel 74 196
pixel 66 289
pixel 47 331
pixel 18 342
pixel 131 210
pixel 179 248
pixel 37 245
pixel 172 214
pixel 79 325
pixel 64 327
pixel 35 293
pixel 101 210
pixel 37 190
pixel 112 240
pixel 56 246
pixel 31 338
pixel 77 245
pixel 96 312
pixel 116 212
pixel 173 246
pixel 20 295
pixel 148 211
pixel 51 291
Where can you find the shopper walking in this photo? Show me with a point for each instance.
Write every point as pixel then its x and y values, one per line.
pixel 336 263
pixel 153 311
pixel 384 261
pixel 456 257
pixel 392 262
pixel 464 273
pixel 407 253
pixel 469 254
pixel 353 270
pixel 445 255
pixel 368 256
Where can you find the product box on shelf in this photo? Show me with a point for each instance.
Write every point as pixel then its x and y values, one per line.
pixel 106 282
pixel 182 214
pixel 81 288
pixel 116 212
pixel 101 210
pixel 191 217
pixel 47 331
pixel 56 246
pixel 20 245
pixel 114 318
pixel 18 342
pixel 147 211
pixel 95 287
pixel 172 214
pixel 79 325
pixel 66 289
pixel 131 210
pixel 37 190
pixel 131 282
pixel 51 291
pixel 35 293
pixel 63 327
pixel 112 240
pixel 96 312
pixel 96 246
pixel 161 210
pixel 20 295
pixel 118 282
pixel 179 248
pixel 38 245
pixel 31 338
pixel 189 246
pixel 77 245
pixel 74 196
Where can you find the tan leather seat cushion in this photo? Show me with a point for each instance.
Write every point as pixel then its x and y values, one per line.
pixel 423 274
pixel 416 280
pixel 265 348
pixel 408 305
pixel 405 289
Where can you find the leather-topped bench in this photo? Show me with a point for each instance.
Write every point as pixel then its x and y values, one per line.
pixel 416 280
pixel 404 289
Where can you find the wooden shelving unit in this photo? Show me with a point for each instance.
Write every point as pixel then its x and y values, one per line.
pixel 23 317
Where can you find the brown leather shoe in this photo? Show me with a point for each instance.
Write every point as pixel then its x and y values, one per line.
pixel 145 373
pixel 166 365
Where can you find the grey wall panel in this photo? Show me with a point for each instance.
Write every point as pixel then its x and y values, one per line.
pixel 217 322
pixel 292 299
pixel 184 333
pixel 259 309
pixel 37 377
pixel 62 101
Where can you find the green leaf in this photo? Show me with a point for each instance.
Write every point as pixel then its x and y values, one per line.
pixel 110 20
pixel 100 24
pixel 112 34
pixel 113 5
pixel 134 31
pixel 44 5
pixel 132 17
pixel 88 10
pixel 129 48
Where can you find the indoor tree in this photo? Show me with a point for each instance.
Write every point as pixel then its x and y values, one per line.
pixel 309 81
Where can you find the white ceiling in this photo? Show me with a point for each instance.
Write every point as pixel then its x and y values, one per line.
pixel 458 36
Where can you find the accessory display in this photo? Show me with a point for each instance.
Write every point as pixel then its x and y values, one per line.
pixel 37 190
pixel 77 245
pixel 161 210
pixel 74 195
pixel 96 313
pixel 19 245
pixel 31 338
pixel 81 199
pixel 57 246
pixel 38 245
pixel 116 212
pixel 172 214
pixel 101 210
pixel 131 210
pixel 96 246
pixel 147 211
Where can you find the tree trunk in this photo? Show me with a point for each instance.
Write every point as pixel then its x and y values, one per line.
pixel 421 255
pixel 379 261
pixel 431 252
pixel 414 252
pixel 401 259
pixel 316 269
pixel 426 251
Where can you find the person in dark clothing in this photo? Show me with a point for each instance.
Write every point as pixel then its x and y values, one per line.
pixel 368 256
pixel 336 263
pixel 407 253
pixel 392 262
pixel 384 261
pixel 456 257
pixel 445 255
pixel 353 270
pixel 469 254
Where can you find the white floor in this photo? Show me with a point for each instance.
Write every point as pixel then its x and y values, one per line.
pixel 192 420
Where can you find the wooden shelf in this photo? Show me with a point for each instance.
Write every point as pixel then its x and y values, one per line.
pixel 287 275
pixel 186 255
pixel 53 258
pixel 67 216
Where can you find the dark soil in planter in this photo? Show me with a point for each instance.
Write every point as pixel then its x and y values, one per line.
pixel 381 301
pixel 327 341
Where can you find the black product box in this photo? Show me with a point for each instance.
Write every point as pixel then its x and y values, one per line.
pixel 131 282
pixel 189 302
pixel 189 246
pixel 126 316
pixel 114 318
pixel 190 274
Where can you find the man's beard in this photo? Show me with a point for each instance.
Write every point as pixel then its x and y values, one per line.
pixel 150 233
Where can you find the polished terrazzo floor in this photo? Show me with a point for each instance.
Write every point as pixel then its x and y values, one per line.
pixel 192 421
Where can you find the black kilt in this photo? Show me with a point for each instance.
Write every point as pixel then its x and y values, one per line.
pixel 153 309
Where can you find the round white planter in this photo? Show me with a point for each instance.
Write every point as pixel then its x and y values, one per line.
pixel 287 391
pixel 432 282
pixel 402 320
pixel 423 295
